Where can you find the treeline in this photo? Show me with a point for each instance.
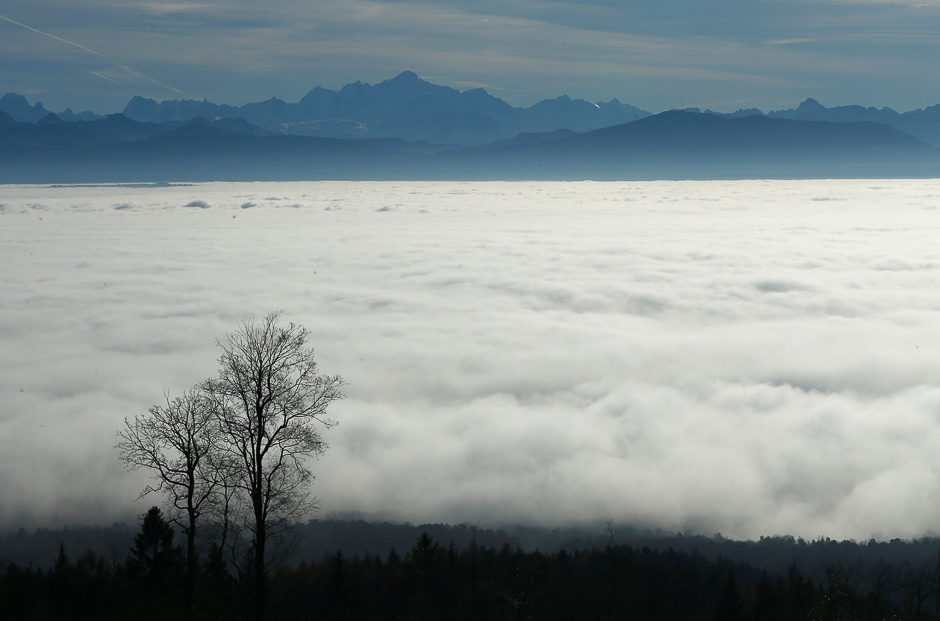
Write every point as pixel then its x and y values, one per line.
pixel 40 547
pixel 434 579
pixel 317 538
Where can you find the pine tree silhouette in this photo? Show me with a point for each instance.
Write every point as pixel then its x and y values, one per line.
pixel 156 568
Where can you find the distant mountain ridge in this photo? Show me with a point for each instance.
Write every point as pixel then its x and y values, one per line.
pixel 408 128
pixel 690 134
pixel 670 145
pixel 923 124
pixel 405 107
pixel 413 109
pixel 19 109
pixel 685 145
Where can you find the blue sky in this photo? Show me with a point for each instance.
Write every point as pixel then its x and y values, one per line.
pixel 719 54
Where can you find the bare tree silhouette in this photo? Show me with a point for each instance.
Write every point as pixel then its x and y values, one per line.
pixel 269 396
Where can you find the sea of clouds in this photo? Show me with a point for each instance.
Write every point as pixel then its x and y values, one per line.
pixel 748 357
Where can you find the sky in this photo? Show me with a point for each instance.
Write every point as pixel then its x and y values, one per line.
pixel 750 357
pixel 717 54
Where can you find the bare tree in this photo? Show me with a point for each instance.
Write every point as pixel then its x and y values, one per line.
pixel 176 442
pixel 269 396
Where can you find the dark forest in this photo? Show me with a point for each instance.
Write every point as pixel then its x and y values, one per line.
pixel 462 572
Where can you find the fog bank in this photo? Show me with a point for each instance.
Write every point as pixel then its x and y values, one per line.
pixel 738 357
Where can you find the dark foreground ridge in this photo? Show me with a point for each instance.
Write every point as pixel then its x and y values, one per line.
pixel 670 145
pixel 360 570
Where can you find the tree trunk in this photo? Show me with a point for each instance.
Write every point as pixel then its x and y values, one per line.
pixel 191 567
pixel 260 536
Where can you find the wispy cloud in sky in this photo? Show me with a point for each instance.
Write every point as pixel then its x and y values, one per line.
pixel 656 55
pixel 749 357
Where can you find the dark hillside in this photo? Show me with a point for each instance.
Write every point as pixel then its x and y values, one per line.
pixel 445 572
pixel 687 145
pixel 672 145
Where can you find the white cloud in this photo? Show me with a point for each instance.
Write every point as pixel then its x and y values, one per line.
pixel 744 357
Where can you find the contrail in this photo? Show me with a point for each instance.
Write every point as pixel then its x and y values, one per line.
pixel 96 54
pixel 55 37
pixel 129 70
pixel 104 77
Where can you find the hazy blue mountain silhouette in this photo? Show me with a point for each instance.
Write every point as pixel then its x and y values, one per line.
pixel 410 108
pixel 681 144
pixel 49 119
pixel 404 107
pixel 68 115
pixel 669 145
pixel 201 125
pixel 18 107
pixel 528 138
pixel 148 110
pixel 117 149
pixel 923 124
pixel 689 133
pixel 52 130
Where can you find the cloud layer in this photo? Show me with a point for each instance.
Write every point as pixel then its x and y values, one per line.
pixel 738 357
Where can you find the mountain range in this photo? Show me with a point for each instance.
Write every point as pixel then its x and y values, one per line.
pixel 19 109
pixel 923 124
pixel 407 128
pixel 669 145
pixel 413 109
pixel 404 107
